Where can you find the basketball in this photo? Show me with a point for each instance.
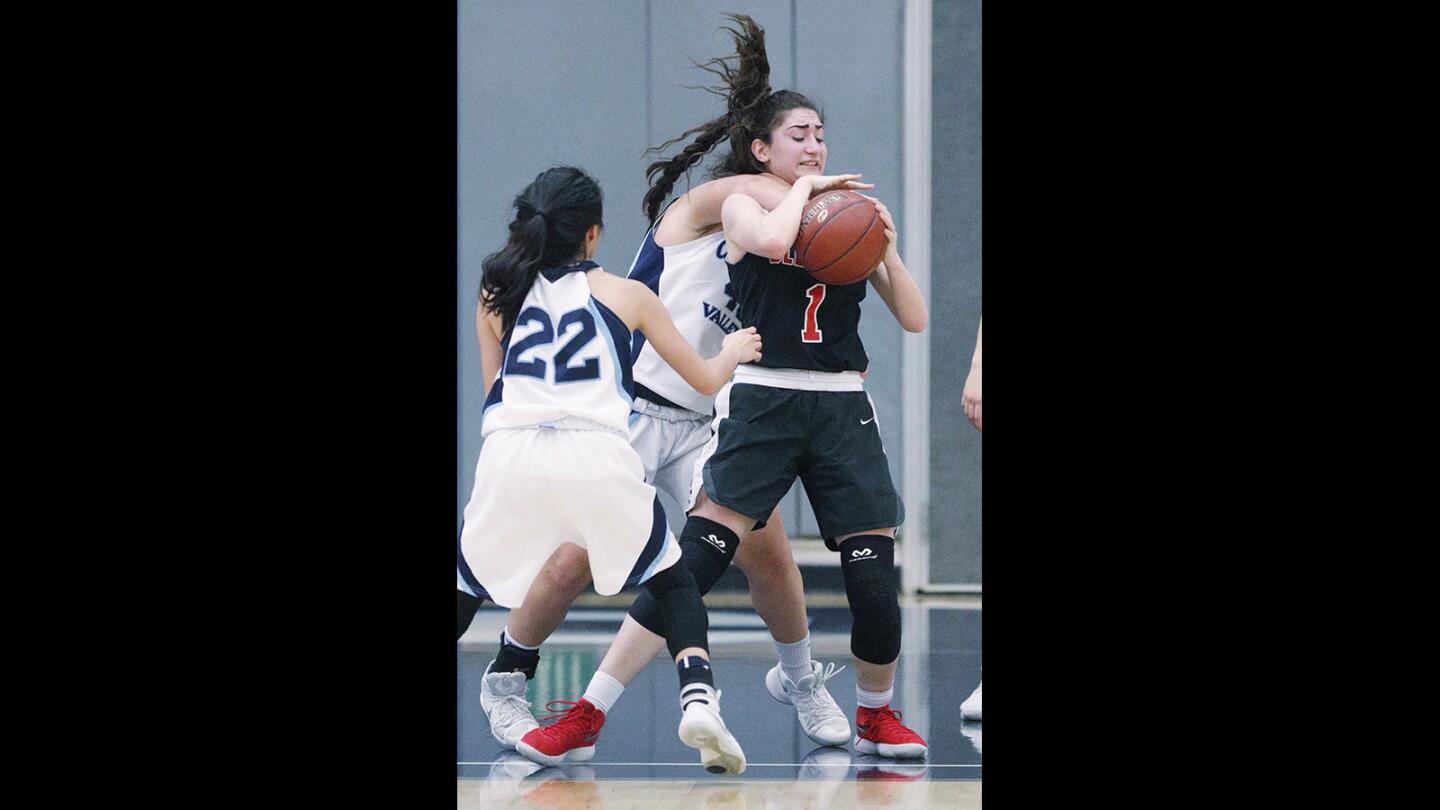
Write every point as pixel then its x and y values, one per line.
pixel 841 237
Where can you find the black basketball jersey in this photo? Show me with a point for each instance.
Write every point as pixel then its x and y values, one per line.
pixel 804 324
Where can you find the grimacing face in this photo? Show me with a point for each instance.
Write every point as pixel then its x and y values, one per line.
pixel 797 146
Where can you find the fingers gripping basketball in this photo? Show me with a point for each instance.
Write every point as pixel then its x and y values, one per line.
pixel 841 237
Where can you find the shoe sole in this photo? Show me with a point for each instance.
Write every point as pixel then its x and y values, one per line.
pixel 772 685
pixel 719 751
pixel 900 751
pixel 573 755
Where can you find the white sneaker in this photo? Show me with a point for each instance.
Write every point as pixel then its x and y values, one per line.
pixel 970 709
pixel 821 719
pixel 702 728
pixel 502 696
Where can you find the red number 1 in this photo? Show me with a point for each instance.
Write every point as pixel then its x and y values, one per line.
pixel 812 333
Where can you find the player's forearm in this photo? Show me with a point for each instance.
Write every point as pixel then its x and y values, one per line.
pixel 895 284
pixel 776 230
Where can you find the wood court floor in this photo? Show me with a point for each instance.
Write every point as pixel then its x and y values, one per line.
pixel 640 762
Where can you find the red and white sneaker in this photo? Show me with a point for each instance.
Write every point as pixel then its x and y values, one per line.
pixel 571 738
pixel 881 732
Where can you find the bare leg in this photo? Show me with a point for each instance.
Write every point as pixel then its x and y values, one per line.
pixel 631 651
pixel 724 515
pixel 776 588
pixel 874 677
pixel 565 575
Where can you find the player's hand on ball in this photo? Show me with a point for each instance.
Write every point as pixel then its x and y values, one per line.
pixel 826 182
pixel 744 344
pixel 891 234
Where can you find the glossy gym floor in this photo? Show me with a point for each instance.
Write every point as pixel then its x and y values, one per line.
pixel 640 762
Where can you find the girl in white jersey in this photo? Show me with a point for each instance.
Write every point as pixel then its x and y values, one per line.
pixel 557 467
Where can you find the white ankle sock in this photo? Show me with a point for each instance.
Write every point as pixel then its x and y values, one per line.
pixel 873 700
pixel 603 691
pixel 795 658
pixel 510 639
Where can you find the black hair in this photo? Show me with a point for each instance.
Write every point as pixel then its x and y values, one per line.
pixel 752 110
pixel 552 215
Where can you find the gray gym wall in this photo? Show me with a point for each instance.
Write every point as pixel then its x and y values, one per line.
pixel 954 288
pixel 594 84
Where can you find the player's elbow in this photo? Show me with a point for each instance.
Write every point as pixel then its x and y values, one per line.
pixel 775 248
pixel 915 322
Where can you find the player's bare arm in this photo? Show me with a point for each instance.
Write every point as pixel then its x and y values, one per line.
pixel 749 228
pixel 892 280
pixel 705 376
pixel 488 328
pixel 642 309
pixel 697 212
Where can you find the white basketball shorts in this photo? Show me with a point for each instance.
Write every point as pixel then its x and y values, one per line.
pixel 669 441
pixel 537 488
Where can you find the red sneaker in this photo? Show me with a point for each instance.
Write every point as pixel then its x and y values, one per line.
pixel 881 732
pixel 571 738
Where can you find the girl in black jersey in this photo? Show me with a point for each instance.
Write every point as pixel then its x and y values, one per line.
pixel 802 409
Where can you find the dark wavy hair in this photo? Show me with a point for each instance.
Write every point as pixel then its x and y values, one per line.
pixel 551 217
pixel 751 111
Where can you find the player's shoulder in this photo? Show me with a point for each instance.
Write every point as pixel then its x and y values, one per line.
pixel 621 284
pixel 746 183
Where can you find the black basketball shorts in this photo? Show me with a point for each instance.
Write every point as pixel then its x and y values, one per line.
pixel 767 436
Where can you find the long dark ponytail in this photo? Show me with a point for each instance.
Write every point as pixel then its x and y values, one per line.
pixel 751 111
pixel 551 217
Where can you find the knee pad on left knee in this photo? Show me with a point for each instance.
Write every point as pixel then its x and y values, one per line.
pixel 707 548
pixel 681 610
pixel 868 564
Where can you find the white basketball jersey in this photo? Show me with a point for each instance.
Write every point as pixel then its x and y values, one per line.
pixel 692 280
pixel 567 360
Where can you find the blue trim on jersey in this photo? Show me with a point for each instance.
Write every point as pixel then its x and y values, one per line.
pixel 554 274
pixel 648 265
pixel 476 589
pixel 617 337
pixel 497 391
pixel 659 537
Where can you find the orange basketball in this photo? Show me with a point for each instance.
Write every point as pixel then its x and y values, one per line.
pixel 841 237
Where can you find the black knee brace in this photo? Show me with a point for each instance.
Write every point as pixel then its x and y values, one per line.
pixel 706 549
pixel 683 620
pixel 868 564
pixel 465 607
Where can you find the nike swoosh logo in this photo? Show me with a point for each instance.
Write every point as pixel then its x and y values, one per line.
pixel 868 421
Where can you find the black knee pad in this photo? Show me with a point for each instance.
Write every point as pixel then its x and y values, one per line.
pixel 868 564
pixel 465 607
pixel 683 620
pixel 706 550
